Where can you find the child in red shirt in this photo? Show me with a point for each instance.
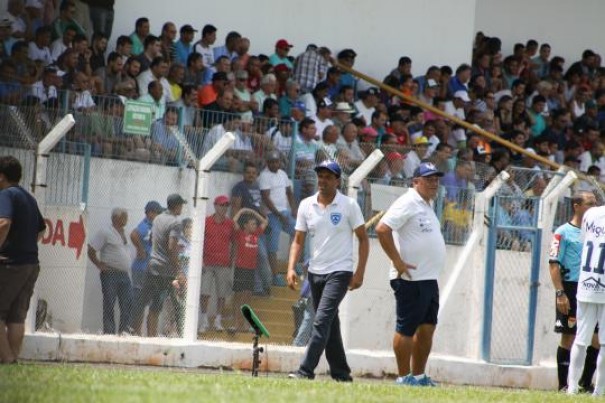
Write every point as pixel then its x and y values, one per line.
pixel 249 225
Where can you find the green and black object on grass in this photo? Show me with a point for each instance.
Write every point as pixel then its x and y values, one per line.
pixel 259 330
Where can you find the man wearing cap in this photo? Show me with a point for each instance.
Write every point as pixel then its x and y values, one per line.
pixel 330 219
pixel 141 239
pixel 414 157
pixel 429 92
pixel 282 48
pixel 113 262
pixel 163 265
pixel 346 57
pixel 183 47
pixel 341 115
pixel 277 195
pixel 415 268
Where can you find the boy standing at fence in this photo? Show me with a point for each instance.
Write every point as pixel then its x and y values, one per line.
pixel 249 225
pixel 564 262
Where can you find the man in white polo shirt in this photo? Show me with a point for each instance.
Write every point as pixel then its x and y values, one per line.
pixel 329 218
pixel 410 235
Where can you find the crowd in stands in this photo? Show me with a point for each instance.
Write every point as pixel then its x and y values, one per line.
pixel 288 112
pixel 56 57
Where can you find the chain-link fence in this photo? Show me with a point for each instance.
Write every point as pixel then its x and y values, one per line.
pixel 101 167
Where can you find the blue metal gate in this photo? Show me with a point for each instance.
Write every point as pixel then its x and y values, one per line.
pixel 511 281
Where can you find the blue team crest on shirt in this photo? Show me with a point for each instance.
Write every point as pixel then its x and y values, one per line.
pixel 335 218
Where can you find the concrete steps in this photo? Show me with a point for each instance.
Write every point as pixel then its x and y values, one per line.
pixel 275 311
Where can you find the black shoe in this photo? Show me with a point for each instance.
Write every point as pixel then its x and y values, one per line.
pixel 298 375
pixel 344 379
pixel 588 389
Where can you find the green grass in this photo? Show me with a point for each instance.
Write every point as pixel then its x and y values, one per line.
pixel 89 383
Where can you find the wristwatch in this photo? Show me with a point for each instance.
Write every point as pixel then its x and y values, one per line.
pixel 560 293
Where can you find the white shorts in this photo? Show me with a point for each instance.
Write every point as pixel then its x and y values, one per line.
pixel 588 315
pixel 217 280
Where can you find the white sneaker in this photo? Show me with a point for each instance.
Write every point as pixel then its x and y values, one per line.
pixel 218 325
pixel 203 325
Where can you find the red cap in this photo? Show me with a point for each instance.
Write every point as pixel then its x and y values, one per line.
pixel 394 155
pixel 283 44
pixel 369 131
pixel 222 199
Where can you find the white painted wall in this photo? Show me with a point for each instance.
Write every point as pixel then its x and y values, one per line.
pixel 569 27
pixel 370 310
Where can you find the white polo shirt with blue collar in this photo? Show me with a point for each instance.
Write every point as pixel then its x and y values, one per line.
pixel 417 235
pixel 330 232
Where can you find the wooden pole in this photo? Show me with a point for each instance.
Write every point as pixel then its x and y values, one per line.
pixel 476 129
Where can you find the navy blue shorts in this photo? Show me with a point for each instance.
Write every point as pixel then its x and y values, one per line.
pixel 417 304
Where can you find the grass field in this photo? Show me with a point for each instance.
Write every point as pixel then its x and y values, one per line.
pixel 89 383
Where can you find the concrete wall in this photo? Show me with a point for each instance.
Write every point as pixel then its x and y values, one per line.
pixel 379 32
pixel 369 312
pixel 569 27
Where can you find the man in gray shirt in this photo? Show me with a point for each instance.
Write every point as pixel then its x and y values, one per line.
pixel 163 265
pixel 113 261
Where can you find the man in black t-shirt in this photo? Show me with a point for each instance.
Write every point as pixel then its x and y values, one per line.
pixel 21 226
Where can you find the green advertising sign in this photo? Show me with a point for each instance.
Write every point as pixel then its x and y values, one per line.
pixel 137 118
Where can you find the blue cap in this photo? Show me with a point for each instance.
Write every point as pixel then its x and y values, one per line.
pixel 153 206
pixel 331 166
pixel 427 169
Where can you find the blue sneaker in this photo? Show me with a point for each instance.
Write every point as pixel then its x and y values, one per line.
pixel 407 380
pixel 426 381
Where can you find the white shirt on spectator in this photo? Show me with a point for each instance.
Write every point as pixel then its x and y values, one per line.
pixel 277 183
pixel 282 143
pixel 36 53
pixel 207 54
pixel 330 232
pixel 113 250
pixel 364 112
pixel 57 48
pixel 242 142
pixel 321 125
pixel 412 161
pixel 417 235
pixel 586 161
pixel 310 104
pixel 146 77
pixel 83 100
pixel 451 109
pixel 43 93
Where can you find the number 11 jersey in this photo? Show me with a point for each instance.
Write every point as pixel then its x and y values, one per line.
pixel 591 284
